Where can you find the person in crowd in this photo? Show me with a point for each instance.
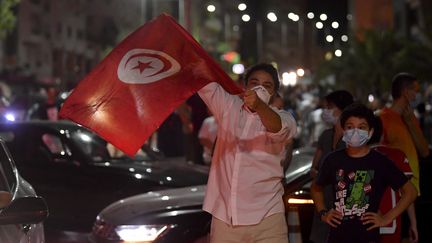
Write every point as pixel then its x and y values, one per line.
pixel 392 232
pixel 401 130
pixel 279 103
pixel 207 137
pixel 170 137
pixel 329 140
pixel 359 176
pixel 244 190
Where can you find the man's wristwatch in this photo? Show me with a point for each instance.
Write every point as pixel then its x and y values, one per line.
pixel 323 212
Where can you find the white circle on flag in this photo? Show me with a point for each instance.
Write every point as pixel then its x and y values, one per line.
pixel 142 66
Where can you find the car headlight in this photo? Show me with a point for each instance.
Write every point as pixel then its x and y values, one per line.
pixel 300 201
pixel 141 233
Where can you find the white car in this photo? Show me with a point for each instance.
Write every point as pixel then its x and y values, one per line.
pixel 21 210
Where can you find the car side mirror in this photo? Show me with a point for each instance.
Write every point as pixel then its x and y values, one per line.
pixel 24 210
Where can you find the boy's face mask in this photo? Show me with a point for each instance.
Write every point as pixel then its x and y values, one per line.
pixel 356 137
pixel 262 93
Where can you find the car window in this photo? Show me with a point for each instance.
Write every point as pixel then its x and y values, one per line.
pixel 92 145
pixel 100 150
pixel 7 178
pixel 54 144
pixel 300 164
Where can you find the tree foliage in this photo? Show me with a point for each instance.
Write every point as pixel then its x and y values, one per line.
pixel 368 66
pixel 7 16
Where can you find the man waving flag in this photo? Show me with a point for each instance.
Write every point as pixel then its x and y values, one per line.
pixel 132 91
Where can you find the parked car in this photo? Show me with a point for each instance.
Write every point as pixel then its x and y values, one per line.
pixel 21 210
pixel 72 169
pixel 176 215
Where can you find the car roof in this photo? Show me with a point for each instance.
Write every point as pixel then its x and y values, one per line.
pixel 56 125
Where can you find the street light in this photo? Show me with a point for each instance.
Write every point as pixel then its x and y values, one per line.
pixel 245 17
pixel 289 78
pixel 329 38
pixel 335 25
pixel 242 7
pixel 300 72
pixel 211 8
pixel 272 17
pixel 323 17
pixel 344 38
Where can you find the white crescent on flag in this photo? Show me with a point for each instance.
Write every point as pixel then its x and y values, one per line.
pixel 143 66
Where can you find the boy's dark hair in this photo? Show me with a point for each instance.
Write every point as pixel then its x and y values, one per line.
pixel 358 110
pixel 400 82
pixel 266 67
pixel 340 98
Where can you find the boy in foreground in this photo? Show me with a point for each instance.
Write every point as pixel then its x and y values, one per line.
pixel 359 176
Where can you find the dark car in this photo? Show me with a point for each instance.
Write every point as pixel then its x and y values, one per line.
pixel 176 215
pixel 21 210
pixel 72 169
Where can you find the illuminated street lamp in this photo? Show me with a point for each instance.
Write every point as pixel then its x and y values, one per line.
pixel 300 72
pixel 335 25
pixel 242 7
pixel 323 17
pixel 211 8
pixel 245 17
pixel 344 38
pixel 272 17
pixel 238 68
pixel 289 79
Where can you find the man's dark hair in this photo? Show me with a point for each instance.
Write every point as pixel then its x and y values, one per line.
pixel 266 67
pixel 358 110
pixel 340 98
pixel 400 82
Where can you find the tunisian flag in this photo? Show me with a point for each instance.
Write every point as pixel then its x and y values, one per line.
pixel 132 91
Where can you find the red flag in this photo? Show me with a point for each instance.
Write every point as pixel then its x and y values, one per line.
pixel 132 91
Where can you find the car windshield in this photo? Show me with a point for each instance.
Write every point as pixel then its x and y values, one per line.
pixel 100 150
pixel 300 164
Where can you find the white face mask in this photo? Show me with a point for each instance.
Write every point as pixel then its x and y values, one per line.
pixel 328 117
pixel 356 137
pixel 262 93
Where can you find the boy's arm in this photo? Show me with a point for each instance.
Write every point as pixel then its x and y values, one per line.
pixel 408 195
pixel 331 217
pixel 318 196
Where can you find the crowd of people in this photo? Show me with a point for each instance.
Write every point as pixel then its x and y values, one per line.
pixel 364 156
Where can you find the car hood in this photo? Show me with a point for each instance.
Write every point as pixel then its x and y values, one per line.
pixel 173 172
pixel 122 211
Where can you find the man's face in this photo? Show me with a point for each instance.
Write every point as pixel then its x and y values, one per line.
pixel 263 78
pixel 411 91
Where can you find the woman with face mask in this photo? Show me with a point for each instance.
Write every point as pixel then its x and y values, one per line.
pixel 328 141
